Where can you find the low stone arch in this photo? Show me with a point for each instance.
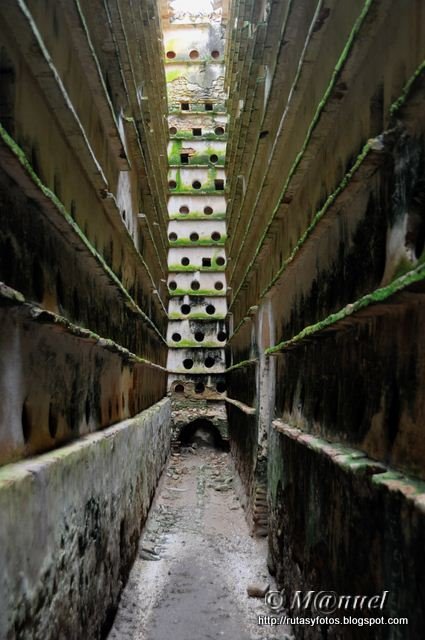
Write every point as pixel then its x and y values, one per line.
pixel 185 432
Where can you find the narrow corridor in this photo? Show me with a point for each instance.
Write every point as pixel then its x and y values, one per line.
pixel 198 588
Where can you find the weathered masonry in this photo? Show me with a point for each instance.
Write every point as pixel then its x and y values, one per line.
pixel 194 64
pixel 211 217
pixel 83 251
pixel 326 228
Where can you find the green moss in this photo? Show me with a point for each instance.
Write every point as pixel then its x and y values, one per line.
pixel 396 106
pixel 200 292
pixel 320 107
pixel 191 344
pixel 197 215
pixel 188 135
pixel 174 153
pixel 42 316
pixel 242 364
pixel 175 315
pixel 404 266
pixel 194 371
pixel 319 215
pixel 196 161
pixel 204 241
pixel 192 268
pixel 21 157
pixel 377 296
pixel 173 74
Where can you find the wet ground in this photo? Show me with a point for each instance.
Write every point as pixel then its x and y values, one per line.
pixel 197 589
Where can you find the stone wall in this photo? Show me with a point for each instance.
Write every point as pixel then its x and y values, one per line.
pixel 325 247
pixel 70 525
pixel 83 239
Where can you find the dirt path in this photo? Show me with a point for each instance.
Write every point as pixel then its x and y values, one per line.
pixel 197 590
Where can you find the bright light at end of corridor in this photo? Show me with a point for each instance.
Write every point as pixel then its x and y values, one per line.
pixel 192 6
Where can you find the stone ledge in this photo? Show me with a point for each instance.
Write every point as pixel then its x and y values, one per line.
pixel 81 511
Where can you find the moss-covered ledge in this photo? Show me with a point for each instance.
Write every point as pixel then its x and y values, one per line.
pixel 378 302
pixel 10 297
pixel 12 157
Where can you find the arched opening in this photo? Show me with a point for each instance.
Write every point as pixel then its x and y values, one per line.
pixel 202 432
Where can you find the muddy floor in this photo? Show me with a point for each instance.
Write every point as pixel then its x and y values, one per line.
pixel 197 589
